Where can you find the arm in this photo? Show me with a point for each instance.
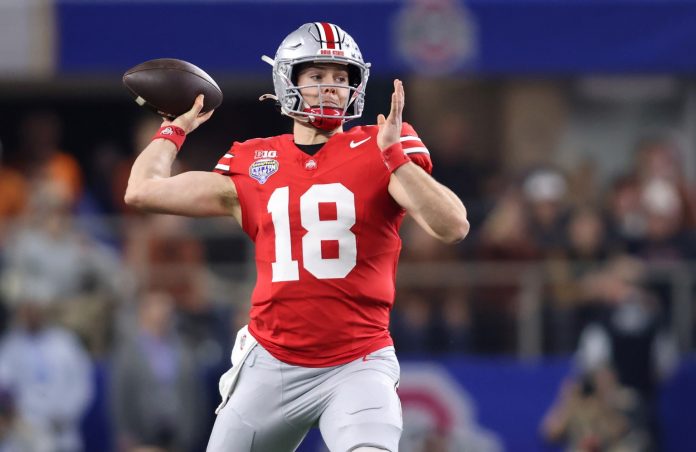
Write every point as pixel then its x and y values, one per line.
pixel 435 207
pixel 194 193
pixel 555 423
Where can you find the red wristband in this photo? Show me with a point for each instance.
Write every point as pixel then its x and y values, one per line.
pixel 394 156
pixel 174 134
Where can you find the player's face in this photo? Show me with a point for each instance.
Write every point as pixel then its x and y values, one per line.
pixel 324 74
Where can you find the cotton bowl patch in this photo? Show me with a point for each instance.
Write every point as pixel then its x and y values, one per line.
pixel 261 170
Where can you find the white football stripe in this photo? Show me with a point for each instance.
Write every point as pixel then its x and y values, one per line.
pixel 409 138
pixel 337 37
pixel 229 156
pixel 222 167
pixel 418 150
pixel 322 35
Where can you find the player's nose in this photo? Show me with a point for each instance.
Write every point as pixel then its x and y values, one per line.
pixel 329 89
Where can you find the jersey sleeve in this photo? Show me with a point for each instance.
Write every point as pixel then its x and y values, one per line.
pixel 415 149
pixel 231 165
pixel 225 164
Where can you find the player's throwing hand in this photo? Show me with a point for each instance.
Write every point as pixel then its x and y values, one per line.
pixel 190 120
pixel 390 127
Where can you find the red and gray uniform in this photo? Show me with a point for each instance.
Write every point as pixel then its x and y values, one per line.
pixel 326 234
pixel 325 230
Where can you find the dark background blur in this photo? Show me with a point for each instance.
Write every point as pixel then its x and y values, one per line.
pixel 565 320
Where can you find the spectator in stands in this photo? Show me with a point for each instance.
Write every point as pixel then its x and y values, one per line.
pixel 504 237
pixel 169 257
pixel 585 250
pixel 665 239
pixel 659 157
pixel 461 165
pixel 40 157
pixel 13 194
pixel 47 371
pixel 593 412
pixel 412 322
pixel 624 213
pixel 629 334
pixel 454 322
pixel 85 279
pixel 544 190
pixel 15 434
pixel 157 396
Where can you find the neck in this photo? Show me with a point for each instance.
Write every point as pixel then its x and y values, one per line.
pixel 306 134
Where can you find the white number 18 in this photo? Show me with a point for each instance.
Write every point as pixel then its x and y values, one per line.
pixel 318 230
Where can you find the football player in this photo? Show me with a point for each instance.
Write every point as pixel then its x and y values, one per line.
pixel 323 208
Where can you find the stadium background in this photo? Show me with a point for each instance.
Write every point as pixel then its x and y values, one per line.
pixel 568 128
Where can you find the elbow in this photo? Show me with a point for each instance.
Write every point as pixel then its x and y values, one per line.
pixel 457 232
pixel 134 197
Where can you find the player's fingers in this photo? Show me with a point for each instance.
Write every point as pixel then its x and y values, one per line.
pixel 205 116
pixel 392 110
pixel 402 93
pixel 380 119
pixel 197 106
pixel 399 91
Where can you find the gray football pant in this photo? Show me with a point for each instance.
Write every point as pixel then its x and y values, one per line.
pixel 275 404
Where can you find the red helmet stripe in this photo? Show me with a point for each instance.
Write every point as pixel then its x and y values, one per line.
pixel 330 38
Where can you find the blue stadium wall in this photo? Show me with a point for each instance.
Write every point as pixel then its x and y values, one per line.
pixel 434 36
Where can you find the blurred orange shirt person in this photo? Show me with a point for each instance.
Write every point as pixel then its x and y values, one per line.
pixel 40 157
pixel 13 195
pixel 63 169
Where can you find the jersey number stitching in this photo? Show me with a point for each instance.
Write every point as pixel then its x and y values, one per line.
pixel 318 230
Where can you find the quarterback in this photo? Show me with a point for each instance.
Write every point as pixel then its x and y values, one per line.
pixel 323 208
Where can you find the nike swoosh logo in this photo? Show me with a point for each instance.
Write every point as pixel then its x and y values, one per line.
pixel 355 144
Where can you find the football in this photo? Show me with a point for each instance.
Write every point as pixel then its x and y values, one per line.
pixel 169 86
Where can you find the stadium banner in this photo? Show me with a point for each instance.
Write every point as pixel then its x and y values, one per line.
pixel 497 404
pixel 463 403
pixel 480 37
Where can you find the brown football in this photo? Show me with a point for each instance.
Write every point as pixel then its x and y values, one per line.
pixel 169 86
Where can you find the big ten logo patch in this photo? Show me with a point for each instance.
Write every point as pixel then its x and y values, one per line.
pixel 265 154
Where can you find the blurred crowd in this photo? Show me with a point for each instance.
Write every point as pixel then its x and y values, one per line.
pixel 110 310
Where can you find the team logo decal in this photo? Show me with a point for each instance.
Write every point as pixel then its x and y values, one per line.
pixel 262 169
pixel 450 45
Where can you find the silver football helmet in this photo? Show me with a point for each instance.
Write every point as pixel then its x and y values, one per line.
pixel 318 42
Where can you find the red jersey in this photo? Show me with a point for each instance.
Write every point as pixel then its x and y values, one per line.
pixel 326 236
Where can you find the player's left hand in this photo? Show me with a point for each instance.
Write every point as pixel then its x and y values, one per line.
pixel 390 127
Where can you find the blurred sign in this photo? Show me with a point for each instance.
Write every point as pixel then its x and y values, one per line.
pixel 436 36
pixel 430 36
pixel 26 38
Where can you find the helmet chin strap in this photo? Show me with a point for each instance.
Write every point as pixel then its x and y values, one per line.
pixel 316 116
pixel 322 122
